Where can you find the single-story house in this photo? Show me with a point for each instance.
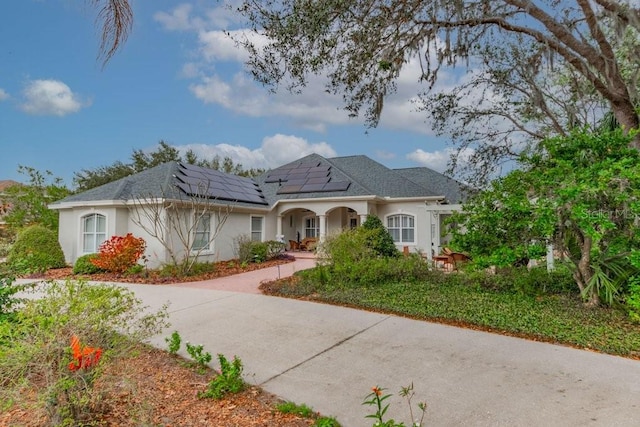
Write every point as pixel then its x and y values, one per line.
pixel 308 198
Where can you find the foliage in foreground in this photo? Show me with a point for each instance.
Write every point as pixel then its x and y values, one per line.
pixel 228 380
pixel 39 354
pixel 305 411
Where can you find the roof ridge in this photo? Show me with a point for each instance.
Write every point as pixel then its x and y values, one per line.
pixel 333 165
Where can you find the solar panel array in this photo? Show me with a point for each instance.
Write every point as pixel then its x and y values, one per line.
pixel 309 177
pixel 211 184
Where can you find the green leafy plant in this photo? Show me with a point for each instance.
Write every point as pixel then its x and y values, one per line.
pixel 229 379
pixel 377 399
pixel 35 250
pixel 173 342
pixel 378 237
pixel 199 356
pixel 8 299
pixel 305 411
pixel 119 253
pixel 84 265
pixel 294 408
pixel 38 359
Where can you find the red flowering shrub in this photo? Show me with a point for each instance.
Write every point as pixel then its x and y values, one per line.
pixel 119 253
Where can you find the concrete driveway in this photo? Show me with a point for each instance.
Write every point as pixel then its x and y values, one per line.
pixel 329 358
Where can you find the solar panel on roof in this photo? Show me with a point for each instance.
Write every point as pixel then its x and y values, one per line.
pixel 318 174
pixel 319 180
pixel 336 186
pixel 203 182
pixel 312 188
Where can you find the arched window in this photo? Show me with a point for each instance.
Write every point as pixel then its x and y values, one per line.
pixel 94 232
pixel 402 228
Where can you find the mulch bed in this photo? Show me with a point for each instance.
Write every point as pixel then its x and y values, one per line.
pixel 155 388
pixel 222 269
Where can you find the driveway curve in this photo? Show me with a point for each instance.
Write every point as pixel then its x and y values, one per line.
pixel 329 357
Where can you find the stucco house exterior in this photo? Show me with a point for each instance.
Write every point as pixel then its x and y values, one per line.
pixel 310 197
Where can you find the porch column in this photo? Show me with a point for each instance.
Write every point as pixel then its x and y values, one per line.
pixel 430 243
pixel 279 235
pixel 436 237
pixel 323 227
pixel 363 218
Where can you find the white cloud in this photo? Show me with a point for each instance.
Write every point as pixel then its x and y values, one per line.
pixel 182 18
pixel 314 109
pixel 438 160
pixel 275 151
pixel 50 97
pixel 3 94
pixel 179 19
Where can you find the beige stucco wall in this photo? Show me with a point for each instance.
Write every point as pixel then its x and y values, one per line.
pixel 120 221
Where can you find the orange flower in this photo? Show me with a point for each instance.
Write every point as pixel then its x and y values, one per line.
pixel 377 391
pixel 83 357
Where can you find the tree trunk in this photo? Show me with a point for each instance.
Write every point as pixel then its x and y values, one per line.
pixel 584 273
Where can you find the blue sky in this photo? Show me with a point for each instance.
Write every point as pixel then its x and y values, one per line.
pixel 177 79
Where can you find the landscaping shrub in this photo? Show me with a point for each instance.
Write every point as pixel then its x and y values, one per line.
pixel 35 250
pixel 379 238
pixel 229 380
pixel 242 248
pixel 58 345
pixel 259 251
pixel 84 265
pixel 120 253
pixel 248 251
pixel 275 249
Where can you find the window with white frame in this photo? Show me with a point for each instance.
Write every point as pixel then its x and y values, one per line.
pixel 94 232
pixel 202 233
pixel 402 228
pixel 256 228
pixel 311 226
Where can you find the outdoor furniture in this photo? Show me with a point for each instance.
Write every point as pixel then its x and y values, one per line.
pixel 449 259
pixel 308 244
pixel 293 245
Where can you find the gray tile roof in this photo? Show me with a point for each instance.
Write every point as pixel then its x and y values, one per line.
pixel 367 178
pixel 158 182
pixel 453 191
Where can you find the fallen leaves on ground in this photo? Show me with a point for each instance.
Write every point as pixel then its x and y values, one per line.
pixel 156 388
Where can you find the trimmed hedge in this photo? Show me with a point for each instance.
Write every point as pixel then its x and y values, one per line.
pixel 35 250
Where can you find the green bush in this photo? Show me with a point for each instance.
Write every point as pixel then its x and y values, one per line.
pixel 259 251
pixel 275 249
pixel 379 238
pixel 228 381
pixel 36 348
pixel 248 251
pixel 36 250
pixel 84 265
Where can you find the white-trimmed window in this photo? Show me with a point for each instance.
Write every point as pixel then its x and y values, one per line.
pixel 256 228
pixel 402 228
pixel 202 233
pixel 94 232
pixel 311 226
